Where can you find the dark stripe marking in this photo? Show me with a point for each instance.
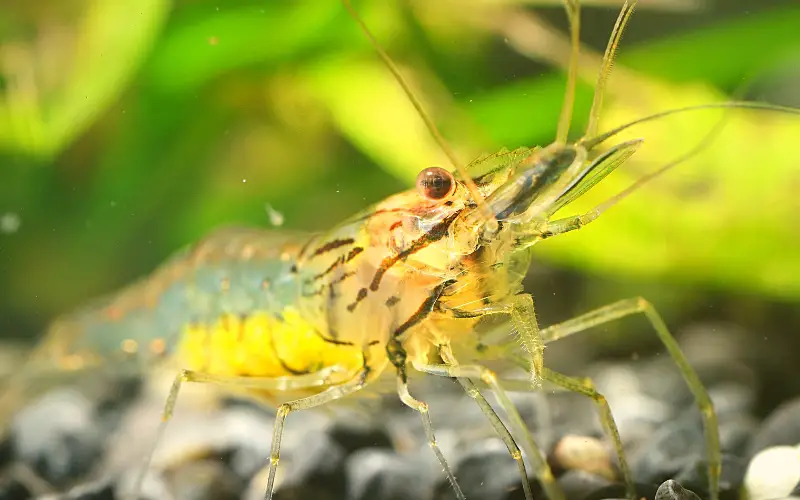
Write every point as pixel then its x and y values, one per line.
pixel 343 277
pixel 332 245
pixel 343 259
pixel 424 309
pixel 397 356
pixel 462 314
pixel 282 362
pixel 436 233
pixel 362 294
pixel 332 340
pixel 321 289
pixel 341 342
pixel 340 279
pixel 336 263
pixel 394 348
pixel 353 252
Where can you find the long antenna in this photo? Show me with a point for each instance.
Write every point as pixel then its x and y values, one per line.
pixel 645 179
pixel 573 9
pixel 473 189
pixel 607 64
pixel 591 142
pixel 598 210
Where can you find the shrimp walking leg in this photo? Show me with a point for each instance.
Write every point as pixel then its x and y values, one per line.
pixel 422 408
pixel 316 379
pixel 639 305
pixel 463 373
pixel 575 222
pixel 357 382
pixel 523 317
pixel 586 387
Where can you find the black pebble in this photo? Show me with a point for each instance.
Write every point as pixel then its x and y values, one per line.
pixel 695 475
pixel 781 427
pixel 796 491
pixel 204 480
pixel 666 453
pixel 11 489
pixel 578 484
pixel 94 491
pixel 58 437
pixel 321 486
pixel 352 438
pixel 618 491
pixel 6 451
pixel 489 475
pixel 325 482
pixel 389 476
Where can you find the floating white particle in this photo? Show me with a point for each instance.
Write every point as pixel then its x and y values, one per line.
pixel 9 223
pixel 275 217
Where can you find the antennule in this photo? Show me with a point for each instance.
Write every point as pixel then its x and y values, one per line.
pixel 573 9
pixel 473 189
pixel 607 64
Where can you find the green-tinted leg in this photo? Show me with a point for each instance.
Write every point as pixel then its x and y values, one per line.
pixel 463 373
pixel 422 408
pixel 306 381
pixel 332 393
pixel 523 317
pixel 586 387
pixel 638 305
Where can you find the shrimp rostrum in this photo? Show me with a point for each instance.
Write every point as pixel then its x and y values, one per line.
pixel 401 287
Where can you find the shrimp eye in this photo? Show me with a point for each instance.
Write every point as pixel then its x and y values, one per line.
pixel 435 183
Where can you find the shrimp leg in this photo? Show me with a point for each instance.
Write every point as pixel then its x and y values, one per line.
pixel 422 408
pixel 639 305
pixel 524 325
pixel 523 317
pixel 586 387
pixel 463 373
pixel 357 382
pixel 316 379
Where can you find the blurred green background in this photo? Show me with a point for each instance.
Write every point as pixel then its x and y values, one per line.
pixel 129 129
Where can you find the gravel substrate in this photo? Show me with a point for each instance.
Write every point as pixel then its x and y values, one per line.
pixel 72 443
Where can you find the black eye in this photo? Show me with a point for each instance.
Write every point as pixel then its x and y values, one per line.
pixel 435 183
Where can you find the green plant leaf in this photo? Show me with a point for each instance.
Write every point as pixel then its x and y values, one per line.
pixel 94 58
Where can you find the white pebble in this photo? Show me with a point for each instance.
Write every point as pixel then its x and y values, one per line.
pixel 773 473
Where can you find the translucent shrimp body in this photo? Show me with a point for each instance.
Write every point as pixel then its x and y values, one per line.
pixel 297 320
